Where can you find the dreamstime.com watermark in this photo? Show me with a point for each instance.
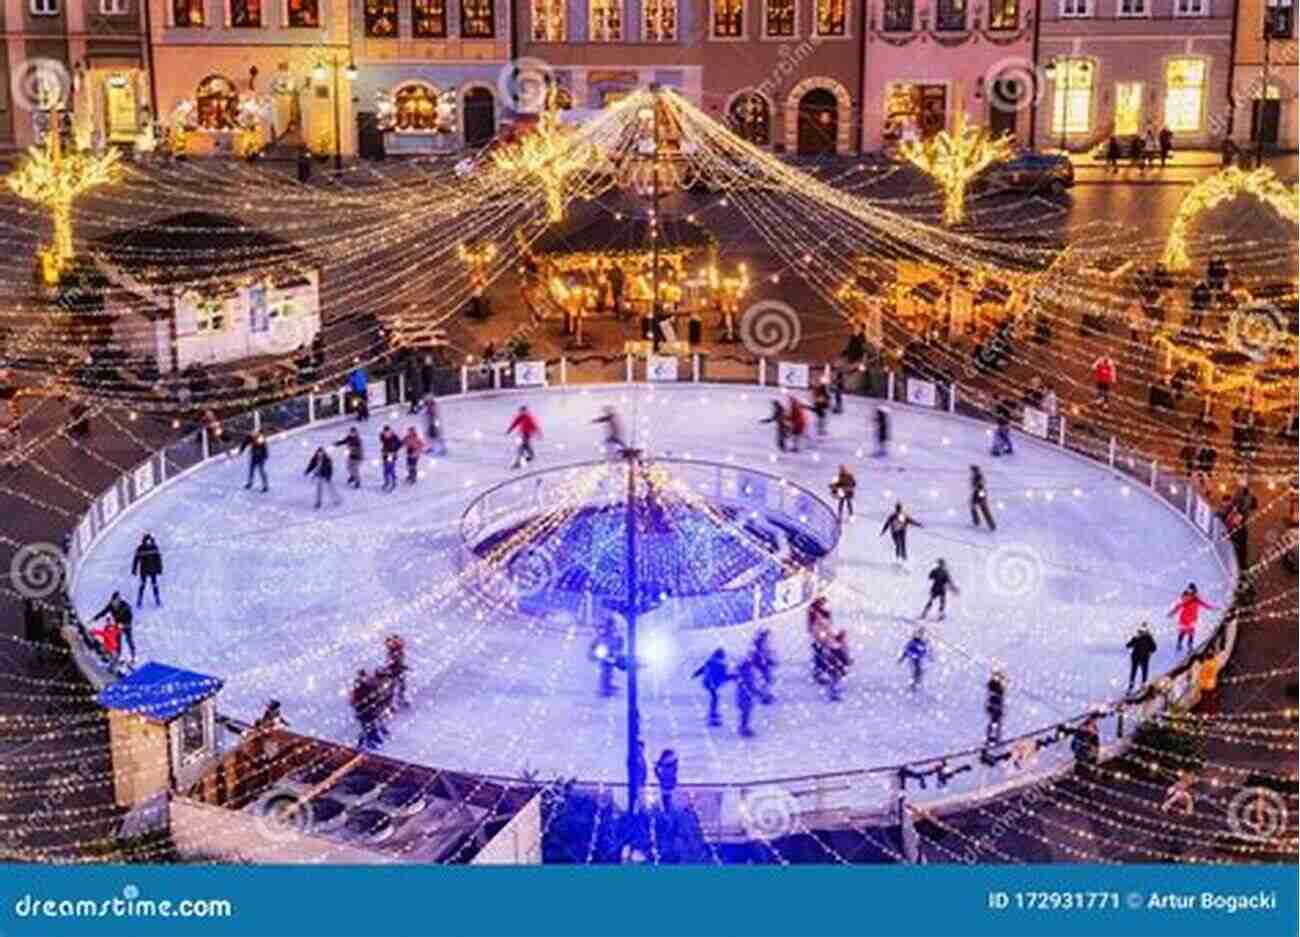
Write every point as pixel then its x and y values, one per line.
pixel 38 570
pixel 128 905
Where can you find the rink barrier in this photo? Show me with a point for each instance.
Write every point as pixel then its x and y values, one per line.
pixel 817 801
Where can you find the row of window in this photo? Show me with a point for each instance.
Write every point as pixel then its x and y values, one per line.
pixel 605 22
pixel 949 15
pixel 1280 11
pixel 106 7
pixel 429 17
pixel 1184 105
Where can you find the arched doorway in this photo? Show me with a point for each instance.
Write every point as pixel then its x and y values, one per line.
pixel 480 116
pixel 819 123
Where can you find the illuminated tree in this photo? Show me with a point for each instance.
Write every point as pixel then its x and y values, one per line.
pixel 1221 187
pixel 954 159
pixel 551 154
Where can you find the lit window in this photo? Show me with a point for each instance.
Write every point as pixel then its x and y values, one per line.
pixel 1004 14
pixel 778 17
pixel 1184 94
pixel 1279 19
pixel 659 20
pixel 216 103
pixel 381 18
pixel 429 19
pixel 1132 7
pixel 751 118
pixel 1128 108
pixel 246 13
pixel 606 21
pixel 304 14
pixel 832 20
pixel 184 12
pixel 898 16
pixel 45 7
pixel 1192 8
pixel 728 18
pixel 477 19
pixel 1072 96
pixel 113 7
pixel 950 15
pixel 548 20
pixel 1071 9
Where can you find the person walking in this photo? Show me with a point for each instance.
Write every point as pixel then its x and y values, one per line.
pixel 433 427
pixel 940 582
pixel 780 423
pixel 255 443
pixel 1141 647
pixel 979 499
pixel 896 524
pixel 1112 154
pixel 414 447
pixel 1149 149
pixel 321 468
pixel 147 564
pixel 995 702
pixel 713 673
pixel 1136 154
pixel 118 612
pixel 666 775
pixel 1188 609
pixel 1166 145
pixel 1105 375
pixel 390 444
pixel 916 652
pixel 356 456
pixel 1002 439
pixel 527 427
pixel 843 488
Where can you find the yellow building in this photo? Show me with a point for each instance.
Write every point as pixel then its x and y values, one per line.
pixel 1264 81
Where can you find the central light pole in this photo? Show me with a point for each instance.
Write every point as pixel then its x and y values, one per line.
pixel 635 764
pixel 655 308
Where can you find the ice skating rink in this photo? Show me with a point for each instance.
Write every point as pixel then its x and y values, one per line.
pixel 287 602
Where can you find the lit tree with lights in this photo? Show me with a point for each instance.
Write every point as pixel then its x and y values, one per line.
pixel 954 158
pixel 551 154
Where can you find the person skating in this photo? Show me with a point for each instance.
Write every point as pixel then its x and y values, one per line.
pixel 607 652
pixel 148 565
pixel 843 488
pixel 359 386
pixel 255 443
pixel 916 652
pixel 798 421
pixel 1002 439
pixel 747 690
pixel 781 424
pixel 666 775
pixel 881 431
pixel 940 583
pixel 835 653
pixel 321 468
pixel 366 708
pixel 119 611
pixel 764 663
pixel 821 404
pixel 356 456
pixel 995 706
pixel 896 524
pixel 1188 609
pixel 110 639
pixel 1104 375
pixel 614 444
pixel 414 447
pixel 433 427
pixel 527 427
pixel 390 444
pixel 1141 647
pixel 819 633
pixel 713 672
pixel 395 669
pixel 979 499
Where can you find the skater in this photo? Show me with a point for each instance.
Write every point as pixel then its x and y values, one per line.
pixel 414 447
pixel 995 706
pixel 764 663
pixel 915 653
pixel 389 445
pixel 842 488
pixel 979 499
pixel 819 634
pixel 118 612
pixel 147 564
pixel 433 427
pixel 607 651
pixel 746 690
pixel 897 524
pixel 365 706
pixel 821 404
pixel 321 468
pixel 110 639
pixel 837 660
pixel 356 456
pixel 527 428
pixel 1140 649
pixel 714 674
pixel 782 425
pixel 613 431
pixel 798 422
pixel 837 391
pixel 1188 608
pixel 1104 374
pixel 255 443
pixel 882 432
pixel 666 775
pixel 395 670
pixel 1002 439
pixel 940 583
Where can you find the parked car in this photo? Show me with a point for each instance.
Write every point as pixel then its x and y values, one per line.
pixel 1028 171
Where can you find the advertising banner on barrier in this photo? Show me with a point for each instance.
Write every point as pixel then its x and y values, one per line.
pixel 109 505
pixel 922 393
pixel 1035 422
pixel 143 479
pixel 1204 516
pixel 661 368
pixel 530 373
pixel 85 533
pixel 378 393
pixel 792 374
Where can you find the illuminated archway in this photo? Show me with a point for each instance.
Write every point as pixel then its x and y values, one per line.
pixel 1223 186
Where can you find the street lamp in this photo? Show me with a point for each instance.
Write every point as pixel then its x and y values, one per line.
pixel 322 71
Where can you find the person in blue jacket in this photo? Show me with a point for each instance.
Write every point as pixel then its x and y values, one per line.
pixel 915 653
pixel 359 385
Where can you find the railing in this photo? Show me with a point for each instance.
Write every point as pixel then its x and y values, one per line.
pixel 979 773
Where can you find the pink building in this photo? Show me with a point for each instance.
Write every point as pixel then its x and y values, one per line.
pixel 927 60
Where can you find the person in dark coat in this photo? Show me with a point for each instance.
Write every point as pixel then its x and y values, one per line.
pixel 666 775
pixel 781 424
pixel 896 524
pixel 321 468
pixel 1166 145
pixel 747 690
pixel 255 443
pixel 940 583
pixel 147 564
pixel 1140 648
pixel 843 488
pixel 390 444
pixel 607 651
pixel 995 706
pixel 120 610
pixel 356 456
pixel 837 391
pixel 837 661
pixel 764 663
pixel 616 282
pixel 1112 154
pixel 882 431
pixel 821 405
pixel 714 674
pixel 433 427
pixel 979 499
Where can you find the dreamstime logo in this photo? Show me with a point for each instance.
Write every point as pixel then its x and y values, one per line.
pixel 283 817
pixel 38 570
pixel 524 83
pixel 1257 330
pixel 1014 571
pixel 40 83
pixel 1013 84
pixel 770 327
pixel 1257 813
pixel 532 571
pixel 769 813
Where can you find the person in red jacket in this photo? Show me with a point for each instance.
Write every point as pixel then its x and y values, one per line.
pixel 1103 372
pixel 110 636
pixel 1188 608
pixel 798 422
pixel 527 428
pixel 414 447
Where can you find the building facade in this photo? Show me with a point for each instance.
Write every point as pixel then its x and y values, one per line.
pixel 92 53
pixel 430 72
pixel 279 64
pixel 1264 75
pixel 925 63
pixel 1123 67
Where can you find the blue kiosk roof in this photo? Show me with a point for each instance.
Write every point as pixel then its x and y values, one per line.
pixel 158 692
